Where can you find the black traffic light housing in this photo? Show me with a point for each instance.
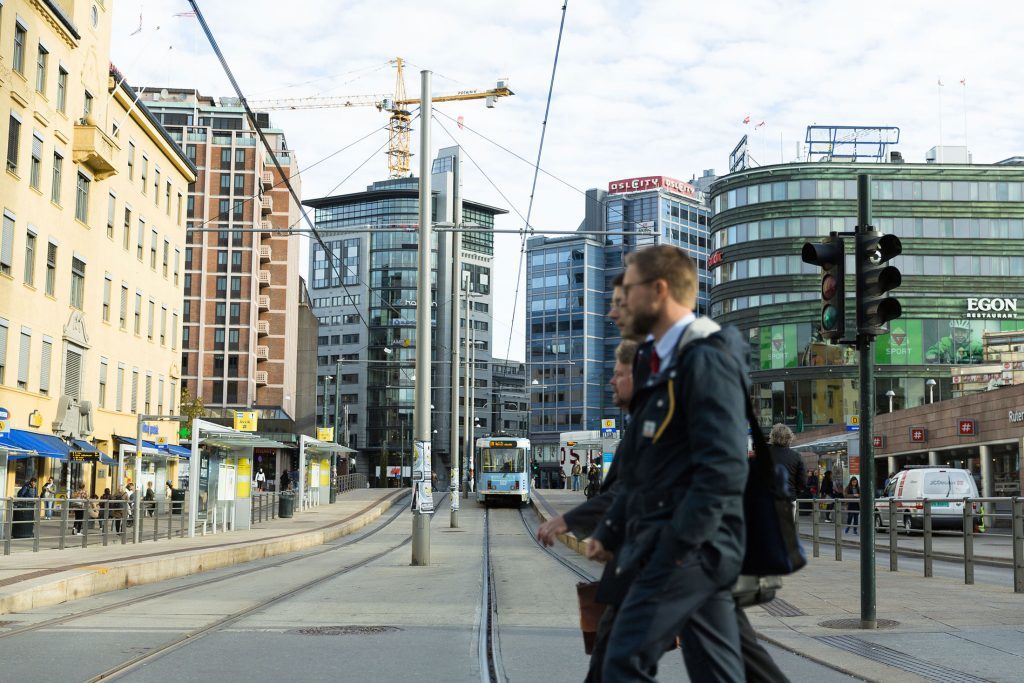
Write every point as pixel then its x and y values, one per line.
pixel 830 256
pixel 874 279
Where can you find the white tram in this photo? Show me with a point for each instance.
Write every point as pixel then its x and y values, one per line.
pixel 502 469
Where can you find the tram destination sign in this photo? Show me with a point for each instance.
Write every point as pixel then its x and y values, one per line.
pixel 502 444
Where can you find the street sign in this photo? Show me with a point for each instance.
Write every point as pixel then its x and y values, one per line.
pixel 966 428
pixel 853 423
pixel 917 434
pixel 607 432
pixel 245 420
pixel 878 441
pixel 5 421
pixel 82 456
pixel 608 424
pixel 325 434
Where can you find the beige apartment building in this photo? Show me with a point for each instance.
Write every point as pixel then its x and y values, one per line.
pixel 94 200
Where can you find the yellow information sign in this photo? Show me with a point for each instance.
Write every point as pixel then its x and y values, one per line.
pixel 245 420
pixel 325 434
pixel 243 478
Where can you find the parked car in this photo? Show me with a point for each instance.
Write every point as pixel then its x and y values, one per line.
pixel 911 485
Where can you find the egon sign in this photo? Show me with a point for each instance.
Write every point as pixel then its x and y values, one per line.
pixel 991 307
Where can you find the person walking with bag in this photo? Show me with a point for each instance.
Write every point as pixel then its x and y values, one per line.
pixel 49 493
pixel 828 490
pixel 676 525
pixel 577 471
pixel 853 506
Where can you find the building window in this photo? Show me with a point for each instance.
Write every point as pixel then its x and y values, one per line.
pixel 233 339
pixel 167 197
pixel 152 314
pixel 58 170
pixel 138 312
pixel 131 161
pixel 123 318
pixel 62 89
pixel 87 105
pixel 177 265
pixel 156 186
pixel 44 365
pixel 30 259
pixel 13 140
pixel 147 392
pixel 3 350
pixel 236 314
pixel 103 383
pixel 160 396
pixel 135 390
pixel 119 396
pixel 35 168
pixel 154 240
pixel 145 172
pixel 24 352
pixel 127 239
pixel 167 256
pixel 174 331
pixel 18 58
pixel 82 198
pixel 111 212
pixel 77 283
pixel 163 325
pixel 73 372
pixel 107 286
pixel 42 56
pixel 140 244
pixel 51 269
pixel 7 244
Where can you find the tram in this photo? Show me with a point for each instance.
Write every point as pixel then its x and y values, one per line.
pixel 502 469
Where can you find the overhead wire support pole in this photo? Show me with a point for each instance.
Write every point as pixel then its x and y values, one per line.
pixel 456 280
pixel 422 426
pixel 868 616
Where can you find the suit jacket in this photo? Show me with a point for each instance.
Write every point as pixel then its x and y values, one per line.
pixel 684 464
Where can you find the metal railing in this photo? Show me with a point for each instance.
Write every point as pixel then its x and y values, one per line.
pixel 949 530
pixel 57 523
pixel 265 506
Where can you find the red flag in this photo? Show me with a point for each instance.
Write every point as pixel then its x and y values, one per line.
pixel 746 119
pixel 760 125
pixel 963 81
pixel 460 121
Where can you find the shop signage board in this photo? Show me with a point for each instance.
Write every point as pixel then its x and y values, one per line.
pixel 5 421
pixel 966 428
pixel 918 434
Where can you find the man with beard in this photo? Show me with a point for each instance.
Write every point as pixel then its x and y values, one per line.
pixel 676 523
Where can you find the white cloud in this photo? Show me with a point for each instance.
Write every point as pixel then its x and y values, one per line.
pixel 657 87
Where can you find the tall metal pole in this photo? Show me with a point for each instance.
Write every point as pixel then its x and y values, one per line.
pixel 420 522
pixel 467 445
pixel 456 280
pixel 137 503
pixel 337 400
pixel 472 402
pixel 868 617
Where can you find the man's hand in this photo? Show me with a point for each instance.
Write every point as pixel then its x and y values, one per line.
pixel 547 531
pixel 596 551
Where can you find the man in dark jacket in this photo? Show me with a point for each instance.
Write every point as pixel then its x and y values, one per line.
pixel 785 457
pixel 676 524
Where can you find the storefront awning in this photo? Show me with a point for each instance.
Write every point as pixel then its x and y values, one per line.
pixel 22 444
pixel 179 451
pixel 148 447
pixel 326 446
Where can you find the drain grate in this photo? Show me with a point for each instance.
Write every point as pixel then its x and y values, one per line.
pixel 780 608
pixel 344 630
pixel 855 623
pixel 899 660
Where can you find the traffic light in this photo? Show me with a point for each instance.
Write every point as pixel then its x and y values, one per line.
pixel 830 256
pixel 874 279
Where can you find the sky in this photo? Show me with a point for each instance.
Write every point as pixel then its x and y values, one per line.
pixel 660 87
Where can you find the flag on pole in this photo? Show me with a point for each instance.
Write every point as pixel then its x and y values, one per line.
pixel 760 125
pixel 963 81
pixel 461 121
pixel 746 119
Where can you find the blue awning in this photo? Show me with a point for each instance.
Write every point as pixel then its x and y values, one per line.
pixel 179 451
pixel 85 447
pixel 146 445
pixel 24 444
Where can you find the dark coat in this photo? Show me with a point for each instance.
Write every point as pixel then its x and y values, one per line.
pixel 684 464
pixel 796 473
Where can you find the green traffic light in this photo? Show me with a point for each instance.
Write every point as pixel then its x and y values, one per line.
pixel 829 318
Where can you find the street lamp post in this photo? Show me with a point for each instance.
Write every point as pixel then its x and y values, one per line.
pixel 327 385
pixel 931 390
pixel 891 394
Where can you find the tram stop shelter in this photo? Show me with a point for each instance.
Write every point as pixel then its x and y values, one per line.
pixel 220 476
pixel 318 461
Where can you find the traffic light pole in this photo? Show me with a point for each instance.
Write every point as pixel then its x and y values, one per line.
pixel 865 345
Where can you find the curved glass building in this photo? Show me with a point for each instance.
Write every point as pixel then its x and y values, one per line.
pixel 962 229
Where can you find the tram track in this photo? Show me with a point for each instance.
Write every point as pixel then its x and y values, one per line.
pixel 195 634
pixel 488 643
pixel 202 583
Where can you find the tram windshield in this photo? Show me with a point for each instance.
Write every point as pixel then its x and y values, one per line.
pixel 502 459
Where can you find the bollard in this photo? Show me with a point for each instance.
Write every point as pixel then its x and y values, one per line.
pixel 928 538
pixel 8 520
pixel 968 543
pixel 893 537
pixel 837 526
pixel 815 514
pixel 1017 523
pixel 63 524
pixel 35 527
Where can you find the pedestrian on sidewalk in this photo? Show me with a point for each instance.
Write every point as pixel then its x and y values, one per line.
pixel 104 508
pixel 852 506
pixel 827 492
pixel 149 500
pixel 78 508
pixel 261 480
pixel 577 471
pixel 783 456
pixel 49 493
pixel 286 481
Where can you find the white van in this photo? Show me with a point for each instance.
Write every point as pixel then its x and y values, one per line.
pixel 926 482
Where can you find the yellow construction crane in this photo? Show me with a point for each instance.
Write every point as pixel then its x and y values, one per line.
pixel 398 126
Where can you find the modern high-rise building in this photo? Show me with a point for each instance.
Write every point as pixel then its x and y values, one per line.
pixel 93 231
pixel 242 283
pixel 364 294
pixel 509 402
pixel 570 342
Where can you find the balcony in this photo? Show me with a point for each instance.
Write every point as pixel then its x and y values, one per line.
pixel 265 229
pixel 265 254
pixel 268 180
pixel 262 352
pixel 262 328
pixel 267 206
pixel 261 377
pixel 94 150
pixel 263 277
pixel 263 302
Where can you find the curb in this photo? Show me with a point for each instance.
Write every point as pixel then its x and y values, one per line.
pixel 82 581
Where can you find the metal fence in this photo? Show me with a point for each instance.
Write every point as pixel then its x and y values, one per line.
pixel 970 531
pixel 47 523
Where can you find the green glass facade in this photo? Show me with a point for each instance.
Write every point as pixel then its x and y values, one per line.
pixel 962 229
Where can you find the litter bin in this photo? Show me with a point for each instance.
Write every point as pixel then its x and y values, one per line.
pixel 177 501
pixel 286 504
pixel 23 525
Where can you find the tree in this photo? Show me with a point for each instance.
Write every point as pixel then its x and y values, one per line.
pixel 191 407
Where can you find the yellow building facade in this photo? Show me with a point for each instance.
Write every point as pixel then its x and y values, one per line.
pixel 94 201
